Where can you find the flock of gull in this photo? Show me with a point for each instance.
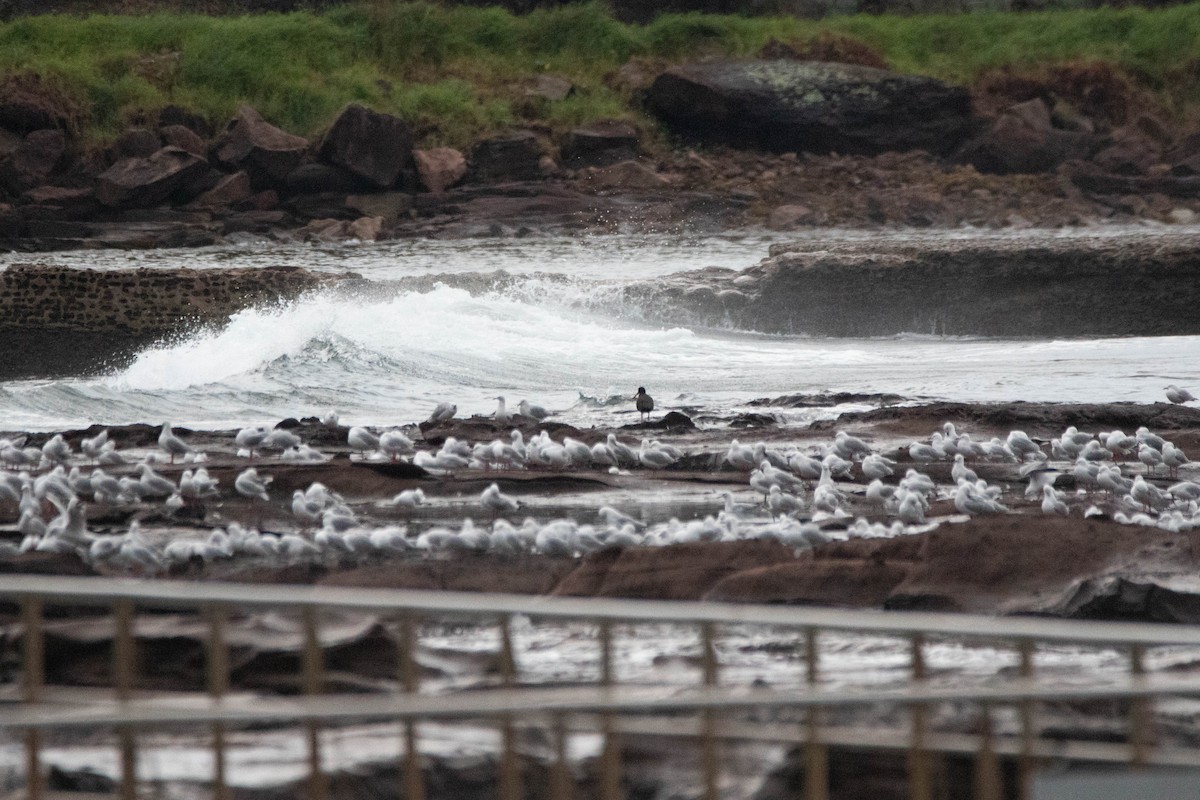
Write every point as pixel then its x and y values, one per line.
pixel 798 497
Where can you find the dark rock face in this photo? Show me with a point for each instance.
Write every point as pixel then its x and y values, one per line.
pixel 322 178
pixel 371 145
pixel 33 161
pixel 184 138
pixel 514 157
pixel 148 181
pixel 136 143
pixel 1022 140
pixel 600 144
pixel 811 106
pixel 266 152
pixel 28 104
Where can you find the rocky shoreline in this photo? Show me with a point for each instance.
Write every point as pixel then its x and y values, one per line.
pixel 1112 571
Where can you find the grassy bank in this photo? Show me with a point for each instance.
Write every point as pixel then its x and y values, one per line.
pixel 458 72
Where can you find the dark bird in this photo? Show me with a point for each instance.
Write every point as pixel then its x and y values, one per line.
pixel 645 403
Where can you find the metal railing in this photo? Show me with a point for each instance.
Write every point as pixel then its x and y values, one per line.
pixel 708 712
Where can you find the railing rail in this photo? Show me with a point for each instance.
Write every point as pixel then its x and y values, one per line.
pixel 709 711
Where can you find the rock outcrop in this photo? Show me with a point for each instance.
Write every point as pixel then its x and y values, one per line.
pixel 266 152
pixel 791 106
pixel 149 180
pixel 373 146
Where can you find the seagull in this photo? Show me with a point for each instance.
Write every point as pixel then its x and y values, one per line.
pixel 280 439
pixel 644 402
pixel 443 412
pixel 1177 395
pixel 528 409
pixel 409 498
pixel 1052 502
pixel 394 444
pixel 171 444
pixel 95 445
pixel 250 438
pixel 502 414
pixel 56 450
pixel 497 502
pixel 249 484
pixel 362 439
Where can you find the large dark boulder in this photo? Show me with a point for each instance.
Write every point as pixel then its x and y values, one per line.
pixel 148 181
pixel 371 145
pixel 509 157
pixel 267 153
pixel 34 160
pixel 28 103
pixel 815 107
pixel 319 178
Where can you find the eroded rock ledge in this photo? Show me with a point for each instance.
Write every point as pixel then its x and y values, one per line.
pixel 59 320
pixel 1128 285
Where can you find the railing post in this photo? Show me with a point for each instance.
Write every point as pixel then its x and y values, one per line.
pixel 410 681
pixel 218 687
pixel 920 768
pixel 1140 711
pixel 33 661
pixel 124 667
pixel 1025 761
pixel 816 755
pixel 560 774
pixel 610 758
pixel 709 756
pixel 988 781
pixel 510 765
pixel 314 684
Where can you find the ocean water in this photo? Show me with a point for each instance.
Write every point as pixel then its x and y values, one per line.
pixel 557 334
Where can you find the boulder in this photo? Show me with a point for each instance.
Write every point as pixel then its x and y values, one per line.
pixel 791 106
pixel 136 143
pixel 600 144
pixel 27 104
pixel 1128 151
pixel 174 115
pixel 789 216
pixel 365 229
pixel 369 144
pixel 625 176
pixel 1023 139
pixel 322 178
pixel 229 191
pixel 185 139
pixel 511 157
pixel 34 160
pixel 9 142
pixel 148 181
pixel 387 206
pixel 58 202
pixel 266 152
pixel 439 168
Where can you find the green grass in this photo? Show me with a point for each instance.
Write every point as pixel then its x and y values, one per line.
pixel 459 72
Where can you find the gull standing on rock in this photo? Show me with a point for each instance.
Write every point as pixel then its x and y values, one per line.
pixel 443 412
pixel 644 403
pixel 528 409
pixel 362 439
pixel 502 416
pixel 250 438
pixel 1177 395
pixel 497 502
pixel 171 444
pixel 249 484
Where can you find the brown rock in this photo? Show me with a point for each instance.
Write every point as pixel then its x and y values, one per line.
pixel 136 143
pixel 174 115
pixel 148 181
pixel 1024 140
pixel 369 144
pixel 678 572
pixel 266 152
pixel 787 217
pixel 28 103
pixel 9 142
pixel 625 176
pixel 266 200
pixel 185 139
pixel 551 87
pixel 34 160
pixel 365 229
pixel 230 190
pixel 1128 151
pixel 388 206
pixel 600 144
pixel 325 230
pixel 511 157
pixel 850 583
pixel 440 168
